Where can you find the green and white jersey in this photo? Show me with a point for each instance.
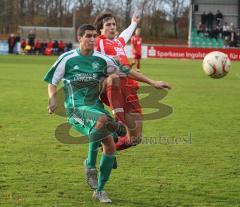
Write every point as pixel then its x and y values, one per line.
pixel 81 76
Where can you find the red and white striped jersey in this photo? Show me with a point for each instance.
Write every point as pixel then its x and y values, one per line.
pixel 112 48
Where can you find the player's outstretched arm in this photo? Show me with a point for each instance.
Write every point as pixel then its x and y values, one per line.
pixel 142 78
pixel 123 71
pixel 52 98
pixel 127 33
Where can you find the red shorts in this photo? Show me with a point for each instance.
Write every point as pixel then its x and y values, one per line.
pixel 136 56
pixel 129 91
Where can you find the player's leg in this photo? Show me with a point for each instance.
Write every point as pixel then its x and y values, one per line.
pixel 133 116
pixel 111 95
pixel 135 119
pixel 138 65
pixel 134 60
pixel 106 165
pixel 134 137
pixel 100 126
pixel 103 129
pixel 79 120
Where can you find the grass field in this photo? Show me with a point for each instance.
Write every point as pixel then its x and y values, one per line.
pixel 37 170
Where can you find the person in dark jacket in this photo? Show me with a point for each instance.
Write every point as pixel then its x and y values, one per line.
pixel 11 43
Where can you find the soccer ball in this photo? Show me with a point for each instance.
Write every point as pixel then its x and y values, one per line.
pixel 216 64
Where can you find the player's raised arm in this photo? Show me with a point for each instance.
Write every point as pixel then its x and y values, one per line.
pixel 127 33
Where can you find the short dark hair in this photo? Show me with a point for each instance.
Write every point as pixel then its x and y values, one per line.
pixel 81 30
pixel 101 19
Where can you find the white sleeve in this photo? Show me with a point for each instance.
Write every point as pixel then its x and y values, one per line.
pixel 101 46
pixel 114 67
pixel 127 33
pixel 58 73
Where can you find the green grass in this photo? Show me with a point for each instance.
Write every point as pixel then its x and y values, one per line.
pixel 37 170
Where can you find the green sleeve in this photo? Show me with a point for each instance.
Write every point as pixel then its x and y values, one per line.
pixel 124 69
pixel 115 67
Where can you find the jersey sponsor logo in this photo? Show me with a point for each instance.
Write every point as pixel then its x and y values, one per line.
pixel 119 44
pixel 96 66
pixel 85 77
pixel 119 51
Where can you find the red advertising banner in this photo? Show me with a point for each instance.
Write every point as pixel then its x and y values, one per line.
pixel 188 53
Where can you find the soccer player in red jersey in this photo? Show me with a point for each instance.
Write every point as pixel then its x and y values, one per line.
pixel 136 42
pixel 124 103
pixel 120 95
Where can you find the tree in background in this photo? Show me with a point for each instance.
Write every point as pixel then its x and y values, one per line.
pixel 157 16
pixel 175 9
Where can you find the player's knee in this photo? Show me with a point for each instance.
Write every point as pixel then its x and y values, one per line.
pixel 113 80
pixel 108 145
pixel 101 122
pixel 105 123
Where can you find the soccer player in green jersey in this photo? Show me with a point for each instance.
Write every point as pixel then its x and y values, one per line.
pixel 82 71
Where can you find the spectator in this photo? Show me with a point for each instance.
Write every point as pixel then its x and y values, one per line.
pixel 17 38
pixel 238 38
pixel 219 18
pixel 200 27
pixel 226 41
pixel 232 27
pixel 214 33
pixel 50 44
pixel 31 40
pixel 43 47
pixel 55 47
pixel 28 49
pixel 207 32
pixel 233 39
pixel 220 31
pixel 61 46
pixel 210 19
pixel 37 47
pixel 48 51
pixel 11 43
pixel 23 44
pixel 49 48
pixel 204 18
pixel 69 46
pixel 226 30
